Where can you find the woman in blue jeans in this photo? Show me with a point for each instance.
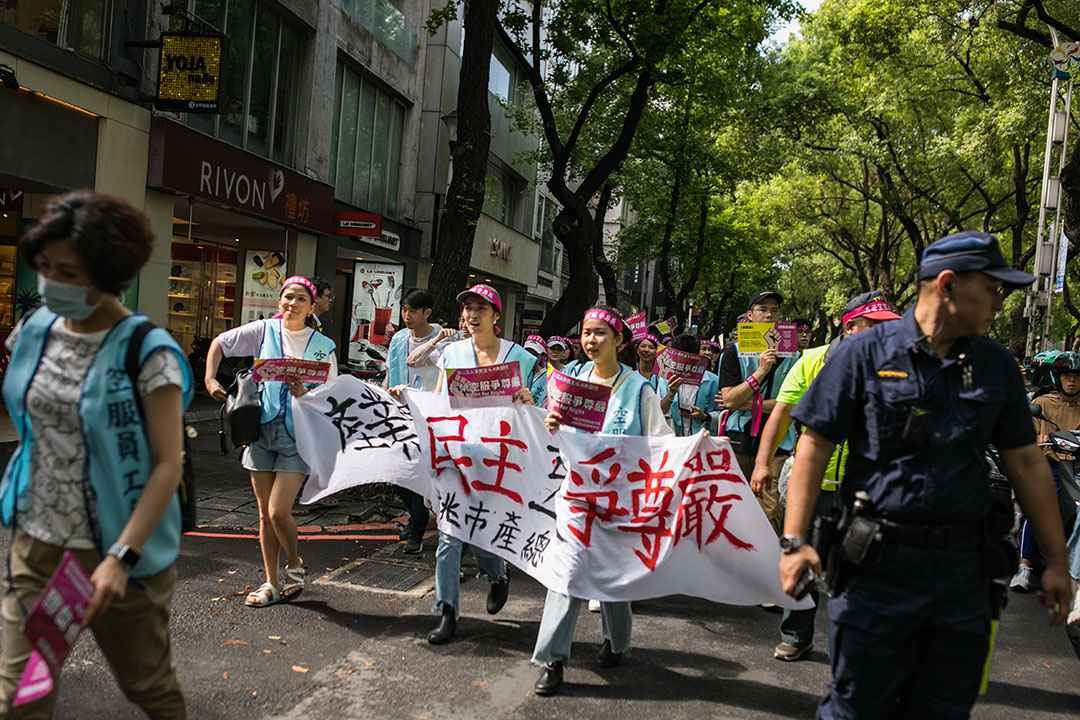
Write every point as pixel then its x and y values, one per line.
pixel 603 334
pixel 481 306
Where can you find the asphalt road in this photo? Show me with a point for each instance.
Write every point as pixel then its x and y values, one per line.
pixel 345 652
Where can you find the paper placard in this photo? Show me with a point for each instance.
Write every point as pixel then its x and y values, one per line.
pixel 582 404
pixel 639 326
pixel 53 626
pixel 667 327
pixel 675 363
pixel 284 369
pixel 756 338
pixel 483 386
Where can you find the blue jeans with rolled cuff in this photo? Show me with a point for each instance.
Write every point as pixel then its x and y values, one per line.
pixel 448 570
pixel 560 618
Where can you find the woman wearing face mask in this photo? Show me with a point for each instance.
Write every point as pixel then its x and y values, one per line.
pixel 535 346
pixel 482 306
pixel 276 468
pixel 92 474
pixel 632 410
pixel 558 352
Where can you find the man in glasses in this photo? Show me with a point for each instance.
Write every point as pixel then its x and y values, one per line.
pixel 918 401
pixel 748 388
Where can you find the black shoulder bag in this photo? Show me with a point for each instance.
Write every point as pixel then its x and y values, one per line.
pixel 241 412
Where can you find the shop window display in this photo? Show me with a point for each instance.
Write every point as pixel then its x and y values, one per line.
pixel 202 292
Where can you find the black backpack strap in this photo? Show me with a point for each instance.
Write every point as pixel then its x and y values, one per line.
pixel 131 360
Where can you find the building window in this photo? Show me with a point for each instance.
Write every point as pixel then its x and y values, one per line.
pixel 387 24
pixel 81 26
pixel 259 85
pixel 367 131
pixel 500 195
pixel 546 210
pixel 499 79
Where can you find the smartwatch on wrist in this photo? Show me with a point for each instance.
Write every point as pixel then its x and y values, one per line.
pixel 125 554
pixel 790 543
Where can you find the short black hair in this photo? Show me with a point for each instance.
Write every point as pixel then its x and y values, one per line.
pixel 418 298
pixel 321 285
pixel 687 343
pixel 112 238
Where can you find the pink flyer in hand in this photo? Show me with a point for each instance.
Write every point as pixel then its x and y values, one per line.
pixel 639 326
pixel 582 404
pixel 477 387
pixel 788 342
pixel 283 369
pixel 53 626
pixel 676 363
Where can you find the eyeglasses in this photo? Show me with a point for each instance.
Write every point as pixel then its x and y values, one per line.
pixel 766 310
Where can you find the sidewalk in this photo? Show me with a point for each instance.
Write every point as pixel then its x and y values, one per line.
pixel 223 486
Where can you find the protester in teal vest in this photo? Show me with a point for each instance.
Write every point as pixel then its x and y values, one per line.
pixel 99 456
pixel 748 388
pixel 632 410
pixel 646 359
pixel 481 309
pixel 688 406
pixel 276 468
pixel 421 374
pixel 535 346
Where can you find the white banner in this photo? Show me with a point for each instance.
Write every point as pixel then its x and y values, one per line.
pixel 603 517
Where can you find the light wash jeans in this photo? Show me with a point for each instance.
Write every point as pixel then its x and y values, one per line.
pixel 448 570
pixel 560 618
pixel 1074 549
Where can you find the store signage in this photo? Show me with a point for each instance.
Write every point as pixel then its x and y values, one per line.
pixel 500 249
pixel 11 200
pixel 189 76
pixel 357 224
pixel 186 161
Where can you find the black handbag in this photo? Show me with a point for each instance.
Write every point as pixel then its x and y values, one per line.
pixel 241 412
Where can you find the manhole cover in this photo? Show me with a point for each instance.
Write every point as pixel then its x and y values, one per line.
pixel 385 576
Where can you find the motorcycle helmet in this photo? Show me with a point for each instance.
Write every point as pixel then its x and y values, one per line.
pixel 1040 368
pixel 1066 362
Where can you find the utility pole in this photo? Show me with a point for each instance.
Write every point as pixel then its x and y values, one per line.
pixel 1051 252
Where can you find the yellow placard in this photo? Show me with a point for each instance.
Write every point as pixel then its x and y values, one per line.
pixel 751 338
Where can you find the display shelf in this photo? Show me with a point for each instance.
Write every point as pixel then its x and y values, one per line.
pixel 177 277
pixel 181 314
pixel 186 297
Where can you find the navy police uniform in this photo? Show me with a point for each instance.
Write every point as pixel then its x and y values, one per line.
pixel 910 628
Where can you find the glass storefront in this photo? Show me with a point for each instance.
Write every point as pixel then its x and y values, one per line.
pixel 202 291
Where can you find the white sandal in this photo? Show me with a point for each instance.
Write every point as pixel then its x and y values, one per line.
pixel 294 582
pixel 266 594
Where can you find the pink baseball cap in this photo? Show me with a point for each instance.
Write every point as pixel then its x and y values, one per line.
pixel 486 292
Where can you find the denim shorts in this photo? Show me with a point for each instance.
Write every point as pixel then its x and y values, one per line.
pixel 274 451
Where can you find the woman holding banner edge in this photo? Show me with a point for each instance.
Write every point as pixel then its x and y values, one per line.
pixel 603 334
pixel 481 306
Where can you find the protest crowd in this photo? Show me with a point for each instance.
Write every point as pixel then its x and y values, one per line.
pixel 908 473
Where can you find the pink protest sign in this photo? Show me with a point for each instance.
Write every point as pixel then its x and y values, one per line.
pixel 477 387
pixel 638 325
pixel 582 404
pixel 676 363
pixel 788 343
pixel 53 626
pixel 283 369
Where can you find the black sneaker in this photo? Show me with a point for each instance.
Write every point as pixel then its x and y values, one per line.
pixel 413 545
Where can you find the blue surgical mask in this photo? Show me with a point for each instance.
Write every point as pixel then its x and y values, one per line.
pixel 65 299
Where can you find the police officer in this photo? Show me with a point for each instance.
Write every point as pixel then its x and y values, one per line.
pixel 918 400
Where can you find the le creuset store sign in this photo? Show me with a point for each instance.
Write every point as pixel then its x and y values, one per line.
pixel 188 162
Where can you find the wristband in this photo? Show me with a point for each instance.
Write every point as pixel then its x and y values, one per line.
pixel 754 385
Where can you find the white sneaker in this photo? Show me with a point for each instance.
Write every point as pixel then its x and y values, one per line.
pixel 1021 581
pixel 594 606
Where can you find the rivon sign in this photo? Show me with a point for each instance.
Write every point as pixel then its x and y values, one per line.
pixel 189 162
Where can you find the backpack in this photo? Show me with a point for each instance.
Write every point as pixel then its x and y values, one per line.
pixel 186 490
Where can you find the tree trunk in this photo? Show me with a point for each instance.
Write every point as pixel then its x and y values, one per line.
pixel 1070 190
pixel 576 230
pixel 469 157
pixel 603 265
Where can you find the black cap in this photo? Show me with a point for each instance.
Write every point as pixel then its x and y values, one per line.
pixel 762 295
pixel 971 251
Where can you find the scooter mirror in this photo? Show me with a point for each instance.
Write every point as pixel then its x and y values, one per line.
pixel 1036 410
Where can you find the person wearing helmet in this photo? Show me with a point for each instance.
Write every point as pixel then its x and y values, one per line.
pixel 1060 411
pixel 1040 373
